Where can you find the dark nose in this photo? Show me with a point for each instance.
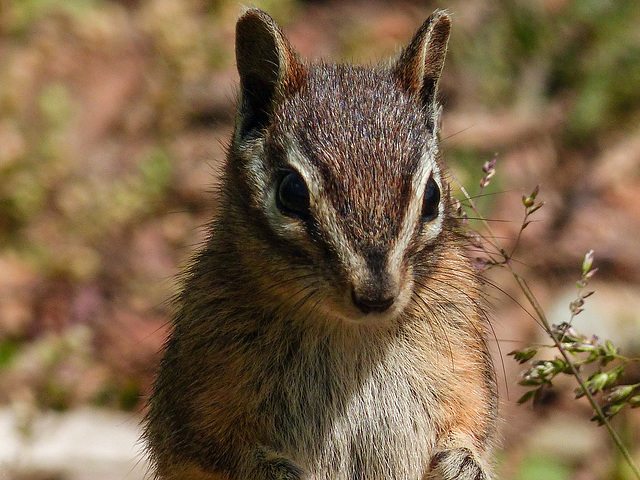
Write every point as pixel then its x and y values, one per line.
pixel 371 304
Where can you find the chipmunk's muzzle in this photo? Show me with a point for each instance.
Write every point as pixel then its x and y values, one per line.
pixel 377 287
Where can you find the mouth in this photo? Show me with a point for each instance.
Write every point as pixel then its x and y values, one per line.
pixel 350 308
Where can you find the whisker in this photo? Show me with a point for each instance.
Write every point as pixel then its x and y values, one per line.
pixel 481 312
pixel 444 139
pixel 491 220
pixel 483 280
pixel 464 199
pixel 432 315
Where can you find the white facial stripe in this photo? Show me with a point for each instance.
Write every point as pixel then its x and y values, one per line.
pixel 427 167
pixel 252 153
pixel 260 177
pixel 315 185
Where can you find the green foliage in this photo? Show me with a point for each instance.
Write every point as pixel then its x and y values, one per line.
pixel 124 394
pixel 27 12
pixel 585 53
pixel 8 351
pixel 155 173
pixel 542 467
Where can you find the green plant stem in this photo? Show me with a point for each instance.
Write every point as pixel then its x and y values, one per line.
pixel 545 323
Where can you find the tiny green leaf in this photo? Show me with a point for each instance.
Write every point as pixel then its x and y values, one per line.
pixel 597 382
pixel 613 375
pixel 527 396
pixel 611 410
pixel 535 208
pixel 619 393
pixel 524 355
pixel 587 262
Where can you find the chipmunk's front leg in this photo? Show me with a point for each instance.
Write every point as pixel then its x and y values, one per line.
pixel 264 464
pixel 457 464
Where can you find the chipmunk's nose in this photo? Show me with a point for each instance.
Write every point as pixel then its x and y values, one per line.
pixel 371 304
pixel 376 287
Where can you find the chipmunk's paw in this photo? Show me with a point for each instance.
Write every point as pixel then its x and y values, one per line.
pixel 271 466
pixel 458 464
pixel 281 469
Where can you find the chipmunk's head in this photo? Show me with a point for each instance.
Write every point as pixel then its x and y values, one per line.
pixel 336 169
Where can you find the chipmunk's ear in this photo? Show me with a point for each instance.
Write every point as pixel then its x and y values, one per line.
pixel 268 68
pixel 419 67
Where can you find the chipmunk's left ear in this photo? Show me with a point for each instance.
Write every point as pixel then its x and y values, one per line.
pixel 268 66
pixel 419 67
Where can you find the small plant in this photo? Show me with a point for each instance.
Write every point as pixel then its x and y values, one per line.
pixel 584 350
pixel 575 350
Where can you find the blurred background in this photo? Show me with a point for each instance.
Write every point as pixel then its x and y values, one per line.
pixel 114 116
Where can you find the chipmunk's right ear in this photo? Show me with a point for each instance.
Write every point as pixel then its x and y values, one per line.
pixel 419 67
pixel 268 66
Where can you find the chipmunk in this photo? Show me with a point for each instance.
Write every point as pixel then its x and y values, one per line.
pixel 331 327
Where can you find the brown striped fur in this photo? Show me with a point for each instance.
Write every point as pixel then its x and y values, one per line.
pixel 346 342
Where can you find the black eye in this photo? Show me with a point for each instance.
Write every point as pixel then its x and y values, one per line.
pixel 431 201
pixel 293 195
